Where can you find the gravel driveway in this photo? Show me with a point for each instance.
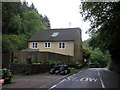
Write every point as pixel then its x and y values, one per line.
pixel 34 81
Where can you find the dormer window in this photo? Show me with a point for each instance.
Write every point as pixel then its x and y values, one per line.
pixel 55 34
pixel 34 45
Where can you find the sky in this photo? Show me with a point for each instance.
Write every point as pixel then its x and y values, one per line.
pixel 62 14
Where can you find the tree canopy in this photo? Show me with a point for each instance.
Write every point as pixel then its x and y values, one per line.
pixel 105 28
pixel 19 22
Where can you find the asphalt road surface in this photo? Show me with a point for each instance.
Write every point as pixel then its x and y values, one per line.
pixel 90 78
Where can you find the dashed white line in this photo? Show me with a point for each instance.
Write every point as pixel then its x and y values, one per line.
pixel 98 73
pixel 103 86
pixel 62 81
pixel 69 78
pixel 52 87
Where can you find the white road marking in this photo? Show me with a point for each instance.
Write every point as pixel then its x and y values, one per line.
pixel 74 79
pixel 92 79
pixel 52 87
pixel 98 73
pixel 69 78
pixel 52 82
pixel 84 79
pixel 62 81
pixel 103 86
pixel 88 79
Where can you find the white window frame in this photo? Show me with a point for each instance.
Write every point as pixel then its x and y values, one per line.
pixel 34 45
pixel 62 45
pixel 47 45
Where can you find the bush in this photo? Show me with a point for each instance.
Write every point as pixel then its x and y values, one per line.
pixel 98 58
pixel 13 42
pixel 74 70
pixel 54 62
pixel 6 75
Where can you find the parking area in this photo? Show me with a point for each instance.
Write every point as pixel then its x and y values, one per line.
pixel 34 81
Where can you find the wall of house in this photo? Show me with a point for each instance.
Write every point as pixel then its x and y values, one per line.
pixel 69 48
pixel 78 48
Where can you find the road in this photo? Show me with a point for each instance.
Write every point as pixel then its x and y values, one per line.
pixel 90 78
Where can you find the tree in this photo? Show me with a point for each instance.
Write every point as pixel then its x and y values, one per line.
pixel 105 28
pixel 31 22
pixel 32 7
pixel 10 12
pixel 46 21
pixel 86 54
pixel 15 24
pixel 97 57
pixel 19 23
pixel 13 42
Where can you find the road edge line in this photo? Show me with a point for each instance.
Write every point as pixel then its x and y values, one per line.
pixel 55 81
pixel 103 86
pixel 52 87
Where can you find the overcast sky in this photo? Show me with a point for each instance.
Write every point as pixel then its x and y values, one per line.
pixel 62 14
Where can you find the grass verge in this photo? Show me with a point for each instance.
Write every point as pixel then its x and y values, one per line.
pixel 74 70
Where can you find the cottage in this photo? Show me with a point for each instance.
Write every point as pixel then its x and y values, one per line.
pixel 61 41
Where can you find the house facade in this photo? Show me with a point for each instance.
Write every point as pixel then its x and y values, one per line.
pixel 62 41
pixel 65 47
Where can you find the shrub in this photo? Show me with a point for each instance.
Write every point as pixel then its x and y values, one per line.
pixel 99 58
pixel 54 62
pixel 6 75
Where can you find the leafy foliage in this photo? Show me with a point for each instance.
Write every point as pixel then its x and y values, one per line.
pixel 19 23
pixel 86 49
pixel 14 42
pixel 74 70
pixel 54 62
pixel 104 18
pixel 86 53
pixel 6 75
pixel 97 57
pixel 105 28
pixel 15 24
pixel 94 56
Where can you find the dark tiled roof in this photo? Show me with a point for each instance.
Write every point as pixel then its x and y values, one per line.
pixel 67 34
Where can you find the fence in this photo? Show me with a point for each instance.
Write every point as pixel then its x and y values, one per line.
pixel 30 69
pixel 5 60
pixel 40 57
